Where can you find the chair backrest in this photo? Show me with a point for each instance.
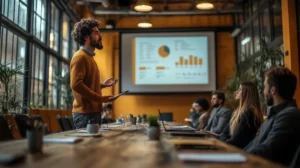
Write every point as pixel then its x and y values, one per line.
pixel 21 121
pixel 70 119
pixel 296 160
pixel 63 123
pixel 5 133
pixel 167 116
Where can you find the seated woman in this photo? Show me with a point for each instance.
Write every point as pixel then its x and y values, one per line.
pixel 106 114
pixel 246 119
pixel 198 114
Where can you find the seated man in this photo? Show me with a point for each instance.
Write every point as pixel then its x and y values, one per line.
pixel 198 114
pixel 279 135
pixel 106 114
pixel 220 115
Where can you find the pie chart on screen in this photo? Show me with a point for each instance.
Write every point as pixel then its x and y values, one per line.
pixel 163 51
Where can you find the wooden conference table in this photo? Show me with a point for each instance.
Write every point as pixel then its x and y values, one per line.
pixel 123 147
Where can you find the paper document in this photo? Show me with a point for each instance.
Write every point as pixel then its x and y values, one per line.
pixel 212 157
pixel 62 140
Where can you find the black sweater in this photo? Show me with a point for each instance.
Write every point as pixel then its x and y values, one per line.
pixel 245 131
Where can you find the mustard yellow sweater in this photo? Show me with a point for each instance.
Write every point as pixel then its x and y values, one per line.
pixel 85 83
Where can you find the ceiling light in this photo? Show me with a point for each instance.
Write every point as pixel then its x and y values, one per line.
pixel 143 6
pixel 110 24
pixel 205 5
pixel 145 23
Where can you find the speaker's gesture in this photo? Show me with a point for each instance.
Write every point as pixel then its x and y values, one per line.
pixel 109 82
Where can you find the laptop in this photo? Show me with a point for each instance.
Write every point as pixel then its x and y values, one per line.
pixel 176 128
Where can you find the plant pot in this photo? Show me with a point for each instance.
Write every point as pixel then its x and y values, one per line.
pixel 153 133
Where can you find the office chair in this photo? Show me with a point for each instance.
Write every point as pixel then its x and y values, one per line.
pixel 5 133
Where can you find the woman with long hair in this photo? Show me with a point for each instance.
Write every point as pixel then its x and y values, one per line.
pixel 246 119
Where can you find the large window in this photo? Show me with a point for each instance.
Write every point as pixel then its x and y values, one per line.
pixel 44 58
pixel 54 30
pixel 264 23
pixel 53 82
pixel 37 76
pixel 65 33
pixel 39 19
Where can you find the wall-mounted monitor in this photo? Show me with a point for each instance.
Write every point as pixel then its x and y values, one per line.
pixel 173 62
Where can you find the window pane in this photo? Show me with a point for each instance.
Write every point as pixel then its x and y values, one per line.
pixel 256 36
pixel 37 69
pixel 16 11
pixel 53 87
pixel 277 20
pixel 265 27
pixel 39 23
pixel 54 28
pixel 65 32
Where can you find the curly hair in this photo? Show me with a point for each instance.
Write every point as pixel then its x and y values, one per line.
pixel 83 28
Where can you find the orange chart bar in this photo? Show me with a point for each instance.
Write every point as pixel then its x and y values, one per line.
pixel 195 60
pixel 181 60
pixel 191 60
pixel 142 68
pixel 186 62
pixel 160 68
pixel 177 63
pixel 200 61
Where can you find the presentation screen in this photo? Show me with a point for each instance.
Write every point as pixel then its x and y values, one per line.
pixel 168 62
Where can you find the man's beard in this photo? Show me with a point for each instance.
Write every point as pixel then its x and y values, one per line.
pixel 96 44
pixel 216 105
pixel 269 99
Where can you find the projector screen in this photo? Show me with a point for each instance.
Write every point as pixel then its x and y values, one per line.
pixel 168 62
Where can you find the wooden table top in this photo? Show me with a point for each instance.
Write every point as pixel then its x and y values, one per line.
pixel 123 148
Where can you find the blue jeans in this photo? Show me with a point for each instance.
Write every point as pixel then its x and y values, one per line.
pixel 81 119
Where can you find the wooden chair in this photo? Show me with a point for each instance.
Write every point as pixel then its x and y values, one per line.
pixel 5 133
pixel 21 121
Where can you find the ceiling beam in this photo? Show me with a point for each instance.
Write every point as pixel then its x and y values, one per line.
pixel 165 13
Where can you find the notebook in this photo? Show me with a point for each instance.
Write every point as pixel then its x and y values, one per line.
pixel 62 140
pixel 213 157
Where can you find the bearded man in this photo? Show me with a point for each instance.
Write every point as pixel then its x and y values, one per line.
pixel 85 75
pixel 279 135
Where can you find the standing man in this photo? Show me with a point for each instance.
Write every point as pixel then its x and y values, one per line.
pixel 279 135
pixel 85 75
pixel 220 115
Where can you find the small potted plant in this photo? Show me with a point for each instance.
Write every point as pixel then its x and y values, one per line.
pixel 153 131
pixel 139 119
pixel 144 119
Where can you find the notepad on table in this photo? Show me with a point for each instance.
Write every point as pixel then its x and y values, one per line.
pixel 61 140
pixel 213 157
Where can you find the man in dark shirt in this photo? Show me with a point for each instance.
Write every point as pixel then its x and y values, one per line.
pixel 220 115
pixel 279 135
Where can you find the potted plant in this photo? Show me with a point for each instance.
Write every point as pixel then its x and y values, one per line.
pixel 153 130
pixel 139 119
pixel 144 119
pixel 9 100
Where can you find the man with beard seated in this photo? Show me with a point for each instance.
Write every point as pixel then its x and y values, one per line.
pixel 279 135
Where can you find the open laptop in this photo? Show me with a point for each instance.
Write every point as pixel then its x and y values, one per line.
pixel 175 128
pixel 181 130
